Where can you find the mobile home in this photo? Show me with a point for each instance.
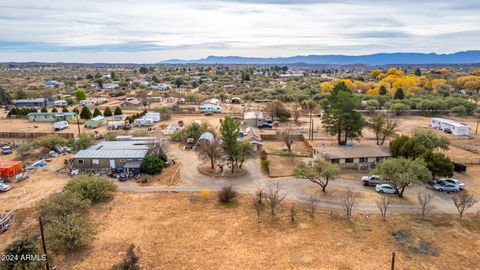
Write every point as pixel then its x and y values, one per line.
pixel 96 122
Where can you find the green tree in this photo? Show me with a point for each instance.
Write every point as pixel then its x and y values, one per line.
pixel 24 150
pixel 62 204
pixel 80 95
pixel 438 164
pixel 54 110
pixel 143 70
pixel 48 142
pixel 230 130
pixel 383 90
pixel 91 187
pixel 319 172
pixel 83 141
pixel 65 110
pixel 117 111
pixel 5 97
pixel 277 109
pixel 418 73
pixel 243 152
pixel 399 94
pixel 44 109
pixel 152 165
pixel 340 116
pixel 70 101
pixel 459 110
pixel 383 128
pixel 431 141
pixel 406 147
pixel 210 151
pixel 402 172
pixel 85 113
pixel 97 112
pixel 399 108
pixel 107 112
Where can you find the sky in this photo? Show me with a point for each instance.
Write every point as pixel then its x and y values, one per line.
pixel 148 31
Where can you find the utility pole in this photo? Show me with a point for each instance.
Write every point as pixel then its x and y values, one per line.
pixel 47 265
pixel 78 121
pixel 393 261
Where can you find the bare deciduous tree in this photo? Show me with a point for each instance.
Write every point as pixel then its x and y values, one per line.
pixel 258 208
pixel 274 197
pixel 424 201
pixel 293 214
pixel 287 136
pixel 463 200
pixel 383 128
pixel 312 205
pixel 349 200
pixel 210 151
pixel 158 148
pixel 383 204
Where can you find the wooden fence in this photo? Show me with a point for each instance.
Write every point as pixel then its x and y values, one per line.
pixel 32 135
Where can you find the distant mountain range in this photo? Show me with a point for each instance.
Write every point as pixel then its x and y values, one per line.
pixel 465 57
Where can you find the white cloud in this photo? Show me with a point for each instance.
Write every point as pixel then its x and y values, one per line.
pixel 149 30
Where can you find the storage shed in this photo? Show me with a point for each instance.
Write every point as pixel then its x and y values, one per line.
pixel 9 169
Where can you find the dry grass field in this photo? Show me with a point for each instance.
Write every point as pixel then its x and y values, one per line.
pixel 171 232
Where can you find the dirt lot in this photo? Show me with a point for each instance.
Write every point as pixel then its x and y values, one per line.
pixel 176 234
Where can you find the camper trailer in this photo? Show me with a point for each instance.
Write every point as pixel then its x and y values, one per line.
pixel 60 103
pixel 450 126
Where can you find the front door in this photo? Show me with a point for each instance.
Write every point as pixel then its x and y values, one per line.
pixel 112 164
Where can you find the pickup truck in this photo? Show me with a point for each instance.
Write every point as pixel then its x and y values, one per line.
pixel 372 180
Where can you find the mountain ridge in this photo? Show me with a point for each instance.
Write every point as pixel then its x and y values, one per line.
pixel 461 57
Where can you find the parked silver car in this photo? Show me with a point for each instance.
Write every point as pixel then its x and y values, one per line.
pixel 451 181
pixel 446 186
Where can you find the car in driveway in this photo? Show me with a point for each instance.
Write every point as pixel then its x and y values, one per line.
pixel 372 180
pixel 450 181
pixel 4 187
pixel 6 150
pixel 446 186
pixel 385 188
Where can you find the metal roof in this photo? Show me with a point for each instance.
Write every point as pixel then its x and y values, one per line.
pixel 111 154
pixel 331 152
pixel 121 145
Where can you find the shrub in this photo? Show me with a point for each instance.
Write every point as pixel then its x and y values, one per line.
pixel 48 142
pixel 152 165
pixel 265 163
pixel 130 260
pixel 226 195
pixel 62 204
pixel 205 193
pixel 94 188
pixel 460 110
pixel 18 248
pixel 44 109
pixel 68 232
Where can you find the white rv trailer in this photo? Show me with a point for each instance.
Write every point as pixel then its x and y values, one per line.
pixel 145 122
pixel 450 126
pixel 155 116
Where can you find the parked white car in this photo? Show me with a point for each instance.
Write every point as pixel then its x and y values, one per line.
pixel 385 188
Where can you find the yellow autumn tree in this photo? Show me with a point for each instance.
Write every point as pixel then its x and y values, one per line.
pixel 326 87
pixel 374 74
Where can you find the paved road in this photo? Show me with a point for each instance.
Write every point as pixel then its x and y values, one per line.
pixel 193 180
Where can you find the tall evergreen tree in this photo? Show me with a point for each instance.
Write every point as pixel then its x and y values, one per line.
pixel 340 116
pixel 383 90
pixel 399 94
pixel 107 112
pixel 85 113
pixel 96 112
pixel 118 111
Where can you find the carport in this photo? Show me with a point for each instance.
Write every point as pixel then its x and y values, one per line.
pixel 132 166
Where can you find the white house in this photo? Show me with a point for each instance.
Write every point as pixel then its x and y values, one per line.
pixel 450 126
pixel 162 87
pixel 211 105
pixel 110 85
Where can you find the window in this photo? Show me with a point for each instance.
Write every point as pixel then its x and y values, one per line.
pixel 349 160
pixel 95 161
pixel 335 161
pixel 80 161
pixel 363 159
pixel 379 159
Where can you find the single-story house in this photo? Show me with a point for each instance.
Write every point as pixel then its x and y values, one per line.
pixel 253 136
pixel 109 160
pixel 95 122
pixel 360 154
pixel 133 104
pixel 51 116
pixel 253 119
pixel 161 87
pixel 211 105
pixel 33 102
pixel 450 126
pixel 122 155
